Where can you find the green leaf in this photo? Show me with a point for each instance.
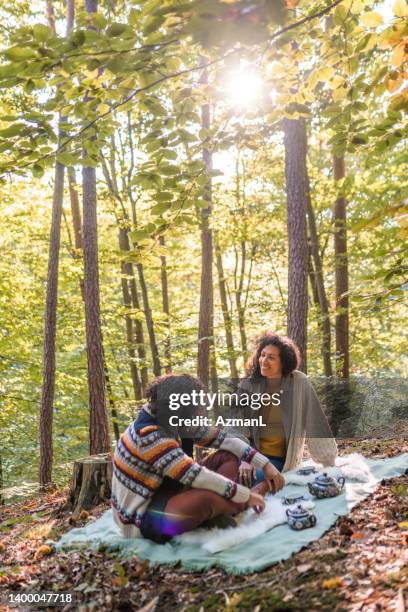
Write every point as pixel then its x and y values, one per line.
pixel 117 29
pixel 38 170
pixel 19 54
pixel 168 169
pixel 372 19
pixel 169 154
pixel 42 33
pixel 359 139
pixel 134 17
pixel 159 209
pixel 13 130
pixel 137 235
pixel 67 159
pixel 164 196
pixel 77 38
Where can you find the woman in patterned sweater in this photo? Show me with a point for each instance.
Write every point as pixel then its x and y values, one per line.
pixel 158 490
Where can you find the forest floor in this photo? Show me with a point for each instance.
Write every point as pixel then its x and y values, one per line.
pixel 359 564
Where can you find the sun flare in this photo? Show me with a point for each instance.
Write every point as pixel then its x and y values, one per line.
pixel 243 88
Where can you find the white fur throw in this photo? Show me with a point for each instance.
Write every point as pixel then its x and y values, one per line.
pixel 250 526
pixel 352 467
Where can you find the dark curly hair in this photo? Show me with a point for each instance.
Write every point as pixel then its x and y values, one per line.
pixel 158 395
pixel 288 351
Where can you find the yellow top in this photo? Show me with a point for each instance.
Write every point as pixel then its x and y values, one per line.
pixel 274 442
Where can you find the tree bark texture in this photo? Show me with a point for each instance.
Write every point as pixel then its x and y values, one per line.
pixel 50 330
pixel 99 439
pixel 99 436
pixel 91 482
pixel 341 274
pixel 166 306
pixel 321 289
pixel 205 322
pixel 225 312
pixel 297 186
pixel 127 273
pixel 149 321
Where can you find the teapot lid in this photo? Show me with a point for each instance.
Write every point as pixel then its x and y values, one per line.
pixel 299 511
pixel 324 478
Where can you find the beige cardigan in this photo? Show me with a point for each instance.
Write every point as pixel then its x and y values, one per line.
pixel 306 424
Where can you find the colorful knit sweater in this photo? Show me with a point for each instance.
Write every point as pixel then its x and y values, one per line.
pixel 144 456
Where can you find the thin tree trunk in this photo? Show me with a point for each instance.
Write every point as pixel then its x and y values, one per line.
pixel 239 304
pixel 166 306
pixel 149 321
pixel 128 280
pixel 225 312
pixel 50 319
pixel 99 436
pixel 1 481
pixel 76 222
pixel 128 269
pixel 239 281
pixel 127 273
pixel 321 290
pixel 297 191
pixel 112 406
pixel 75 209
pixel 312 278
pixel 139 333
pixel 205 323
pixel 341 273
pixel 50 329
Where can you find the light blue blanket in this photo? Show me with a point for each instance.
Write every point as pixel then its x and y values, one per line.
pixel 252 555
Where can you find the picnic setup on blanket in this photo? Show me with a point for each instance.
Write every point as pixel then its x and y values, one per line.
pixel 259 540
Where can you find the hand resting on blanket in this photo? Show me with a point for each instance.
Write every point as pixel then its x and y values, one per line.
pixel 273 476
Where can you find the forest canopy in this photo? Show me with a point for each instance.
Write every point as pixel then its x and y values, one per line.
pixel 247 164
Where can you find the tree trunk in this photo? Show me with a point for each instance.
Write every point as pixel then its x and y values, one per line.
pixel 91 482
pixel 99 437
pixel 225 312
pixel 127 273
pixel 75 209
pixel 113 411
pixel 238 300
pixel 205 324
pixel 321 290
pixel 1 482
pixel 76 222
pixel 149 321
pixel 50 319
pixel 341 273
pixel 297 186
pixel 50 329
pixel 166 306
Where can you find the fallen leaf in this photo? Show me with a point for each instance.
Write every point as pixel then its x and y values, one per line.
pixel 42 551
pixel 332 583
pixel 303 568
pixel 84 514
pixel 151 606
pixel 357 535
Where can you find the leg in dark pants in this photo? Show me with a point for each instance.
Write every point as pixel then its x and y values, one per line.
pixel 188 509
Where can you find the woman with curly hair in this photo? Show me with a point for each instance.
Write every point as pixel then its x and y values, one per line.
pixel 292 417
pixel 158 490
